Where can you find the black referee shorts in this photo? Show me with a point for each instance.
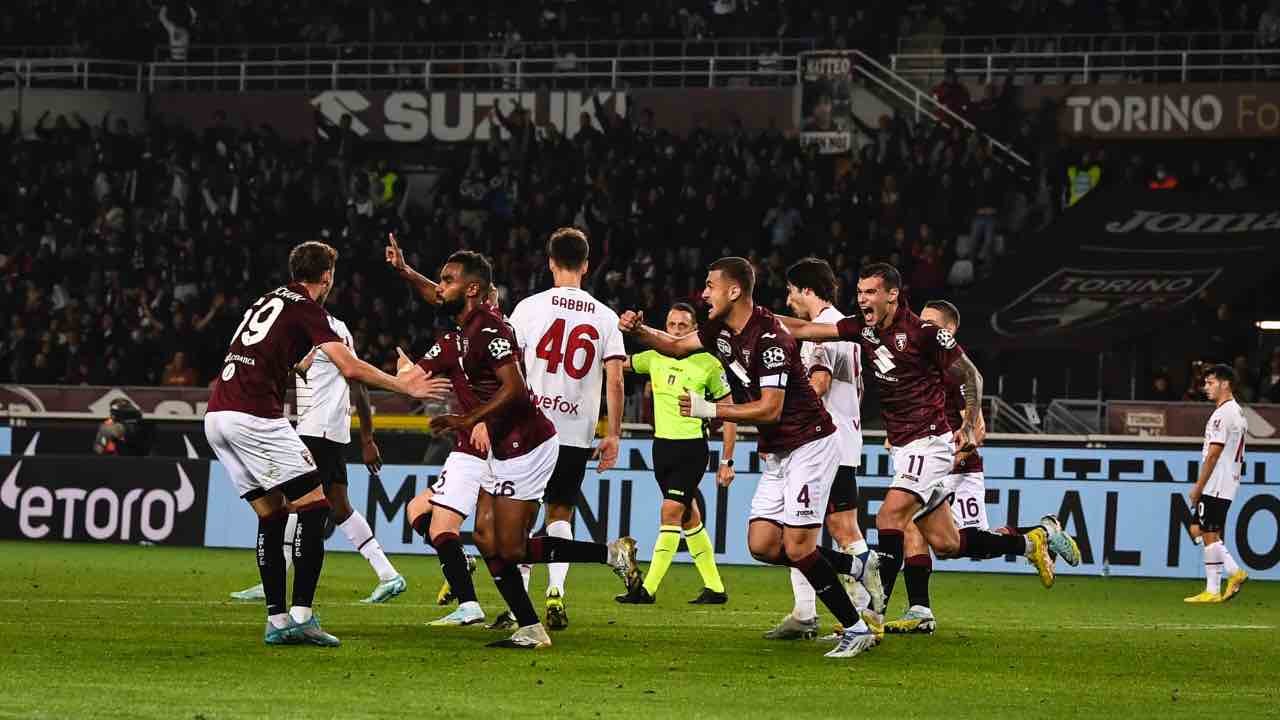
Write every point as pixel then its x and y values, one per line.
pixel 844 491
pixel 330 464
pixel 1211 513
pixel 565 484
pixel 679 466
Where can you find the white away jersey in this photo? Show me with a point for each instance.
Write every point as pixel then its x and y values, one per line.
pixel 566 335
pixel 324 398
pixel 1227 427
pixel 843 359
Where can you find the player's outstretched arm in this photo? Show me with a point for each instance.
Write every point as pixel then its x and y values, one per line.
pixel 973 432
pixel 808 330
pixel 767 410
pixel 427 289
pixel 632 323
pixel 414 384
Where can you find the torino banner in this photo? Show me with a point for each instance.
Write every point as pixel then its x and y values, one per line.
pixel 1126 507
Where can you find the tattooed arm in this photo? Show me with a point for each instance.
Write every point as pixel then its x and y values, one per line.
pixel 973 431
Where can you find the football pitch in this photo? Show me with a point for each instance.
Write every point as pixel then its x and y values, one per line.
pixel 103 631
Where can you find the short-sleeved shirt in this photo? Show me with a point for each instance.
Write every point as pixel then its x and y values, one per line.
pixel 765 355
pixel 699 374
pixel 909 360
pixel 567 336
pixel 324 397
pixel 972 462
pixel 277 332
pixel 1226 427
pixel 488 345
pixel 843 361
pixel 444 359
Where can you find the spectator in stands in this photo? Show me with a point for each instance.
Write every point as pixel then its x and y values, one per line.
pixel 1243 371
pixel 1162 179
pixel 177 27
pixel 1269 27
pixel 1269 383
pixel 952 94
pixel 178 372
pixel 1082 177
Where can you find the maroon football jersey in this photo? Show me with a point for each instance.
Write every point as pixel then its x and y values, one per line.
pixel 766 355
pixel 972 463
pixel 909 360
pixel 488 343
pixel 276 333
pixel 444 359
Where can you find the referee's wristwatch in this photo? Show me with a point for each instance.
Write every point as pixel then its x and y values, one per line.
pixel 727 463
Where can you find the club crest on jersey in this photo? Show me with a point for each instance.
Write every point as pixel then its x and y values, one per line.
pixel 774 357
pixel 900 341
pixel 945 339
pixel 499 348
pixel 723 347
pixel 434 351
pixel 870 336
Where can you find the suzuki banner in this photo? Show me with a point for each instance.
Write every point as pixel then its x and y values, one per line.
pixel 413 116
pixel 1120 263
pixel 1127 508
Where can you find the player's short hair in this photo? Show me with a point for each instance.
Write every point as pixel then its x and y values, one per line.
pixel 309 261
pixel 568 246
pixel 738 270
pixel 949 311
pixel 686 308
pixel 887 273
pixel 1223 373
pixel 814 274
pixel 475 266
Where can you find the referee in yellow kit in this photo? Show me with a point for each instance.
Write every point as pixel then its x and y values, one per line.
pixel 680 456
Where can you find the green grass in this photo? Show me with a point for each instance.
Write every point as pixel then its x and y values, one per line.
pixel 145 632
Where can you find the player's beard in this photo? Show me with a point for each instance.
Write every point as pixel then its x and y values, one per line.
pixel 453 308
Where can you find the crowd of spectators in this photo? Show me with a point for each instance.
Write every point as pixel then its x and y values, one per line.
pixel 129 255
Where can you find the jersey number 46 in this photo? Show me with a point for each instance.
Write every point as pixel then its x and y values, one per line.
pixel 557 350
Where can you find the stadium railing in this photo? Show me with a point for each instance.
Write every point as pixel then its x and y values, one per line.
pixel 418 51
pixel 1082 42
pixel 496 73
pixel 1087 67
pixel 71 73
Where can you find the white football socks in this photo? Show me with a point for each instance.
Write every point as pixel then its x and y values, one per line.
pixel 1229 565
pixel 357 530
pixel 525 571
pixel 1213 568
pixel 300 614
pixel 806 607
pixel 556 572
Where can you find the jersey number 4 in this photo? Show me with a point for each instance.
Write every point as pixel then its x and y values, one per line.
pixel 556 350
pixel 258 321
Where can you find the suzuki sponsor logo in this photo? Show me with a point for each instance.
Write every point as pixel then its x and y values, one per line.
pixel 457 116
pixel 1071 299
pixel 46 508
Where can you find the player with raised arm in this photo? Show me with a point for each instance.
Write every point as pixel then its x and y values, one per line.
pixel 968 504
pixel 571 346
pixel 835 372
pixel 1211 496
pixel 680 455
pixel 324 424
pixel 262 453
pixel 798 445
pixel 910 359
pixel 523 445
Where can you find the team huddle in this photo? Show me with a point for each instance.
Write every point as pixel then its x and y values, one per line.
pixel 526 393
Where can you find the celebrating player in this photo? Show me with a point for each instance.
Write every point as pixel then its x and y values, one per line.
pixel 968 504
pixel 680 456
pixel 263 456
pixel 1211 496
pixel 835 371
pixel 910 359
pixel 798 445
pixel 570 339
pixel 324 424
pixel 523 444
